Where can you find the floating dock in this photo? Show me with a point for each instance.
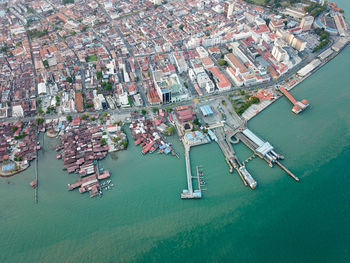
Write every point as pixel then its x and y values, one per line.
pixel 200 178
pixel 299 106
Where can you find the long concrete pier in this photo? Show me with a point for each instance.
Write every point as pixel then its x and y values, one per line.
pixel 37 181
pixel 36 174
pixel 287 171
pixel 189 193
pixel 299 106
pixel 188 170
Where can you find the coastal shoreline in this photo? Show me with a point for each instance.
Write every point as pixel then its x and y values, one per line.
pixel 8 175
pixel 333 56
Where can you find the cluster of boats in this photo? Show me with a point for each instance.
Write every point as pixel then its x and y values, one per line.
pixel 106 185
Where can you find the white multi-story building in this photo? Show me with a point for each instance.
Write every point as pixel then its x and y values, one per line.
pixel 17 111
pixel 280 54
pixel 306 23
pixel 198 75
pixel 180 62
pixel 233 75
pixel 202 52
pixel 42 88
pixel 228 8
pixel 193 42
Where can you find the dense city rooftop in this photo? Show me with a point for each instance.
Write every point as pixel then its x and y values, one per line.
pixel 62 57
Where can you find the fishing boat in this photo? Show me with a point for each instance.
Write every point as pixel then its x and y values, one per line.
pixel 33 183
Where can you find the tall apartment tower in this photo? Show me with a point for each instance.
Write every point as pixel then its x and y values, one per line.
pixel 228 8
pixel 306 23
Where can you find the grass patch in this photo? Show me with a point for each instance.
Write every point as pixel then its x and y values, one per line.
pixel 91 58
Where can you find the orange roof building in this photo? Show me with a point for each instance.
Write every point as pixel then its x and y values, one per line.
pixel 79 102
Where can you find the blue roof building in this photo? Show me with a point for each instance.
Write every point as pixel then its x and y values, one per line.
pixel 206 110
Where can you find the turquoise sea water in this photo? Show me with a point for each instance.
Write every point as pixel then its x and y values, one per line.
pixel 142 219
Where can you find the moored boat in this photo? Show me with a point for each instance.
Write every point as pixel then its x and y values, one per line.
pixel 33 183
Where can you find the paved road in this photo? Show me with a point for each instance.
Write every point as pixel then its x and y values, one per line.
pixel 131 54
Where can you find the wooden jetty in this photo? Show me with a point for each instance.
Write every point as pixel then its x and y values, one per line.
pixel 36 177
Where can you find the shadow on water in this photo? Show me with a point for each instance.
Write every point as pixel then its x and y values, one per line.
pixel 114 156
